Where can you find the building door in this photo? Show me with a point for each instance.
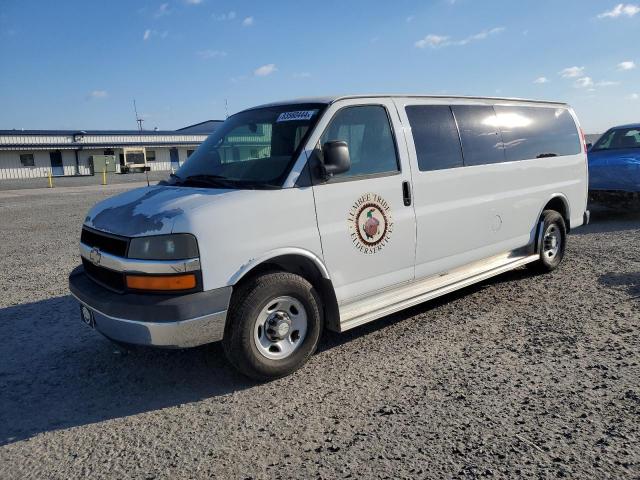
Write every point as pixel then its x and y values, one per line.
pixel 175 159
pixel 56 163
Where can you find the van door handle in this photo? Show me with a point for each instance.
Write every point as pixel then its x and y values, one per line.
pixel 406 193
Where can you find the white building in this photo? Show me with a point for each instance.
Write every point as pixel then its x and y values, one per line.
pixel 38 153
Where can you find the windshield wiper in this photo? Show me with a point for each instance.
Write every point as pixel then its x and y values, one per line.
pixel 209 180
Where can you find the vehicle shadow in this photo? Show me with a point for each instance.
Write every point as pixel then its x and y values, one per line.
pixel 333 340
pixel 607 219
pixel 629 281
pixel 57 373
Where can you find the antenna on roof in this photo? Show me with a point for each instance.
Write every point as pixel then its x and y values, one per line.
pixel 226 108
pixel 138 119
pixel 139 122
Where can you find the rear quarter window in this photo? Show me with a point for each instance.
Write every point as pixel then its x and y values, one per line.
pixel 435 136
pixel 481 139
pixel 537 132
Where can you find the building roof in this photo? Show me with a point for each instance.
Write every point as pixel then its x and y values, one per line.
pixel 208 126
pixel 83 139
pixel 202 128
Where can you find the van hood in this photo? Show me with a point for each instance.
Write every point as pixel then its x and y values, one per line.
pixel 151 210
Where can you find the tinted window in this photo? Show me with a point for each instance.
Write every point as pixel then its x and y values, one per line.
pixel 367 132
pixel 537 132
pixel 481 140
pixel 435 136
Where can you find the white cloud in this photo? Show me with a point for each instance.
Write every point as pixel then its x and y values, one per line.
pixel 148 33
pixel 572 72
pixel 302 75
pixel 437 41
pixel 265 70
pixel 410 18
pixel 193 2
pixel 163 10
pixel 224 16
pixel 606 83
pixel 480 36
pixel 98 94
pixel 584 82
pixel 628 9
pixel 433 41
pixel 634 96
pixel 541 80
pixel 628 65
pixel 207 54
pixel 247 22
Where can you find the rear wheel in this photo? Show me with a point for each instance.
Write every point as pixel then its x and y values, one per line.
pixel 274 325
pixel 553 244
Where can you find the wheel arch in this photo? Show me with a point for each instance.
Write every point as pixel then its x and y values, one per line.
pixel 559 203
pixel 300 262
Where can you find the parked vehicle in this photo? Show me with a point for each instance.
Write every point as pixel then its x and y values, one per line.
pixel 133 160
pixel 614 166
pixel 330 213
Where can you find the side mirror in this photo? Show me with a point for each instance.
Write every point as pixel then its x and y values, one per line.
pixel 335 158
pixel 589 145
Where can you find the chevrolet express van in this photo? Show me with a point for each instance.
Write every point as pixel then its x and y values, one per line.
pixel 329 213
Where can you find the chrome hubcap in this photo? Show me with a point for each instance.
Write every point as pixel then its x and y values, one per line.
pixel 280 328
pixel 551 242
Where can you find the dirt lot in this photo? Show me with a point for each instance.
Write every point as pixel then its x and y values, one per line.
pixel 522 376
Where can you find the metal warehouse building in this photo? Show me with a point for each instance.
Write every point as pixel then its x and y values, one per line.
pixel 38 153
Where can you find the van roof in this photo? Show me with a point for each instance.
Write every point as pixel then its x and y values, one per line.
pixel 331 99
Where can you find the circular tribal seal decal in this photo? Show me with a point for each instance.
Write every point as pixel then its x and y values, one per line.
pixel 370 223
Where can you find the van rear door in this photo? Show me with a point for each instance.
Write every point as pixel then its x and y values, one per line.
pixel 367 226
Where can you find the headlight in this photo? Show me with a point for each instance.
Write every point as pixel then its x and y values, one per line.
pixel 177 246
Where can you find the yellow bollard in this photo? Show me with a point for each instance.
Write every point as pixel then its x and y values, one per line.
pixel 104 176
pixel 50 180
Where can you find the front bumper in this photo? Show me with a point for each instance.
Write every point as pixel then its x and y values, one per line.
pixel 174 321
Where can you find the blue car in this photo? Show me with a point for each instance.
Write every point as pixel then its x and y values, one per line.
pixel 614 164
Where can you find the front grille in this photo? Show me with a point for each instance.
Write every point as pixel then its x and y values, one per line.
pixel 106 242
pixel 105 277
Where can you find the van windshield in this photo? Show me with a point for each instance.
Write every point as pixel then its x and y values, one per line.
pixel 618 139
pixel 252 149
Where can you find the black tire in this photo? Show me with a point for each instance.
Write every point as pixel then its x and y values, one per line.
pixel 550 220
pixel 246 305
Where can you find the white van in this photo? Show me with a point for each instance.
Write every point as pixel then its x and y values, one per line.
pixel 330 213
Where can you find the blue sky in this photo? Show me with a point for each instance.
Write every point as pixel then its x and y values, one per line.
pixel 79 63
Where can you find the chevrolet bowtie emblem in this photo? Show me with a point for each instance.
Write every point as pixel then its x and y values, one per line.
pixel 95 256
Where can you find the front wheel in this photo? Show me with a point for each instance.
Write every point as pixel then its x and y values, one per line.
pixel 554 241
pixel 274 325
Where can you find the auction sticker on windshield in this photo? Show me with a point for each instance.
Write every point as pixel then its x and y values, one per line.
pixel 298 115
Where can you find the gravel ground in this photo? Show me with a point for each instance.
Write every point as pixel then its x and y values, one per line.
pixel 522 376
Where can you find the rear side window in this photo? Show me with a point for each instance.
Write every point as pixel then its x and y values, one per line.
pixel 537 132
pixel 368 134
pixel 481 140
pixel 435 136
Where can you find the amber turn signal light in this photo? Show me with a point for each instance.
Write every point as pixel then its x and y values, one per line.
pixel 165 282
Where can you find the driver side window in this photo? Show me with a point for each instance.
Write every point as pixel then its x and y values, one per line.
pixel 367 132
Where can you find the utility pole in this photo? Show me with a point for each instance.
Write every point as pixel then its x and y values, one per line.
pixel 139 122
pixel 138 119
